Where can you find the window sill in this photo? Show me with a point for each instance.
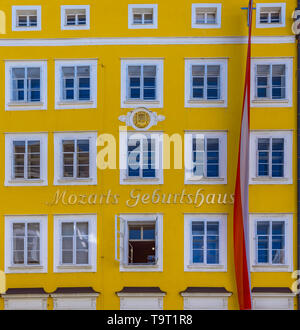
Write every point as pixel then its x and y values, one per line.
pixel 267 178
pixel 270 268
pixel 74 180
pixel 201 180
pixel 25 104
pixel 142 266
pixel 75 102
pixel 141 180
pixel 206 101
pixel 263 101
pixel 206 26
pixel 25 181
pixel 67 267
pixel 37 267
pixel 141 102
pixel 195 267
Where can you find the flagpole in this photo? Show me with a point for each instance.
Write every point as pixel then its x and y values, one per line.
pixel 241 203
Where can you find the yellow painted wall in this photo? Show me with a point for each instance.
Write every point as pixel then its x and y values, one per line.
pixel 109 19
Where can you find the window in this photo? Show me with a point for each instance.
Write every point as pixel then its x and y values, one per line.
pixel 139 242
pixel 206 16
pixel 76 84
pixel 271 83
pixel 75 158
pixel 141 158
pixel 75 17
pixel 26 87
pixel 75 243
pixel 26 161
pixel 205 242
pixel 205 157
pixel 272 237
pixel 26 18
pixel 142 83
pixel 206 83
pixel 142 16
pixel 270 15
pixel 26 244
pixel 271 157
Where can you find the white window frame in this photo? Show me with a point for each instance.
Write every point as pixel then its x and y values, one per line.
pixel 58 158
pixel 141 301
pixel 22 105
pixel 124 178
pixel 279 5
pixel 188 265
pixel 274 103
pixel 75 104
pixel 188 157
pixel 195 103
pixel 93 249
pixel 288 157
pixel 288 266
pixel 125 102
pixel 218 9
pixel 26 28
pixel 64 26
pixel 131 9
pixel 9 158
pixel 121 236
pixel 10 267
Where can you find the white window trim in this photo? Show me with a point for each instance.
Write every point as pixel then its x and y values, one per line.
pixel 217 6
pixel 158 103
pixel 271 297
pixel 157 299
pixel 288 218
pixel 9 139
pixel 124 179
pixel 26 28
pixel 16 105
pixel 142 26
pixel 193 103
pixel 25 301
pixel 68 301
pixel 124 219
pixel 288 157
pixel 66 104
pixel 280 5
pixel 75 27
pixel 188 157
pixel 188 219
pixel 58 158
pixel 92 266
pixel 267 103
pixel 9 266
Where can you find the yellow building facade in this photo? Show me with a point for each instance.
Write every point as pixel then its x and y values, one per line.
pixel 159 67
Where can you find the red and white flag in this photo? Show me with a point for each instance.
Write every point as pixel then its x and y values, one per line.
pixel 241 202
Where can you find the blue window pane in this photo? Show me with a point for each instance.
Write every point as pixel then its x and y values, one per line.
pixel 35 83
pixel 198 256
pixel 69 83
pixel 263 256
pixel 277 171
pixel 212 242
pixel 263 228
pixel 261 92
pixel 149 82
pixel 212 171
pixel 83 146
pixel 277 81
pixel 198 82
pixel 277 242
pixel 134 82
pixel 263 169
pixel 135 93
pixel 277 157
pixel 148 173
pixel 133 172
pixel 263 242
pixel 212 256
pixel 198 228
pixel 278 93
pixel 84 94
pixel 263 144
pixel 212 144
pixel 212 157
pixel 198 242
pixel 263 157
pixel 212 81
pixel 135 233
pixel 213 228
pixel 149 94
pixel 21 95
pixel 198 93
pixel 212 94
pixel 262 81
pixel 278 228
pixel 278 144
pixel 35 96
pixel 20 84
pixel 148 233
pixel 70 94
pixel 84 82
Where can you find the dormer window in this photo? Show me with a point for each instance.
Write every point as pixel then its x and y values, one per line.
pixel 75 17
pixel 26 18
pixel 142 16
pixel 270 15
pixel 206 16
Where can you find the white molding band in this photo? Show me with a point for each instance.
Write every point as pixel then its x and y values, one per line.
pixel 145 41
